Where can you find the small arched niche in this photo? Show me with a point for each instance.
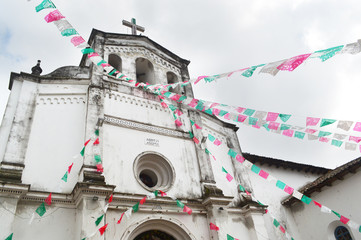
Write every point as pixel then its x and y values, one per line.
pixel 157 229
pixel 172 78
pixel 115 61
pixel 153 171
pixel 144 71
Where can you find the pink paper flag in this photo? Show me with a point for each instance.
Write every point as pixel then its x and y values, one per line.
pixel 256 126
pixel 94 54
pixel 355 139
pixel 240 109
pixel 273 125
pixel 288 132
pixel 213 227
pixel 217 142
pixel 229 177
pixel 102 229
pixel 344 220
pixel 110 198
pixel 317 204
pixel 53 16
pixel 69 168
pixel 178 112
pixel 199 78
pixel 77 40
pixel 310 121
pixel 292 63
pixel 196 140
pixel 178 123
pixel 105 65
pixel 240 158
pixel 197 126
pixel 175 97
pixel 187 210
pixel 288 190
pixel 100 168
pixel 263 174
pixel 164 105
pixel 96 141
pixel 120 219
pixel 48 200
pixel 324 139
pixel 227 116
pixel 357 127
pixel 282 229
pixel 193 103
pixel 213 105
pixel 241 118
pixel 216 111
pixel 272 116
pixel 310 131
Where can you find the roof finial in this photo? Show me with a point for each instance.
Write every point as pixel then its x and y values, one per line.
pixel 36 70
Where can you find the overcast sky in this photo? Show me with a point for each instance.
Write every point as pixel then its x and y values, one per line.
pixel 217 37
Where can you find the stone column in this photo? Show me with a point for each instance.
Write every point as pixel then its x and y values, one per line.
pixel 255 221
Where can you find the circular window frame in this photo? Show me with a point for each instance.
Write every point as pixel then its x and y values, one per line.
pixel 165 178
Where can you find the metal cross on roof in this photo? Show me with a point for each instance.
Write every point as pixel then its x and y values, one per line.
pixel 134 26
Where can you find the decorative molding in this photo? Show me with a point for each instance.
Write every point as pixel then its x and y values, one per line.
pixel 145 53
pixel 60 99
pixel 144 127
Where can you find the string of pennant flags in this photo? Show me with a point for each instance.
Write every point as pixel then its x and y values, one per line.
pixel 273 68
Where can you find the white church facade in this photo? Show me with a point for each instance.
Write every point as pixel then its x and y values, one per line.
pixel 49 117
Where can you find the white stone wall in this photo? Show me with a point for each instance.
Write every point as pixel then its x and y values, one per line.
pixel 342 197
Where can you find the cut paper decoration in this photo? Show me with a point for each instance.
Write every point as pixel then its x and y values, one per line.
pixel 339 136
pixel 355 139
pixel 41 210
pixel 228 176
pixel 48 200
pixel 357 127
pixel 325 122
pixel 70 167
pixel 136 207
pixel 32 218
pixel 102 229
pixel 288 133
pixel 326 53
pixel 299 135
pixel 271 68
pixel 310 121
pixel 292 63
pixel 249 112
pixel 187 210
pixel 260 114
pixel 213 227
pixel 77 40
pixel 336 143
pixel 100 168
pixel 65 177
pixel 10 237
pixel 284 117
pixel 97 158
pixel 110 198
pixel 229 237
pixel 345 125
pixel 180 204
pixel 350 146
pixel 249 72
pixel 143 200
pixel 297 195
pixel 53 16
pixel 62 25
pixel 120 219
pixel 45 4
pixel 96 132
pixel 99 219
pixel 271 117
pixel 69 32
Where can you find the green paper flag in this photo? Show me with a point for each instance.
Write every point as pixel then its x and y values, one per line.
pixel 207 151
pixel 180 204
pixel 266 126
pixel 249 71
pixel 97 158
pixel 255 169
pixel 192 122
pixel 222 113
pixel 45 4
pixel 224 170
pixel 252 121
pixel 276 223
pixel 172 107
pixel 167 94
pixel 328 53
pixel 299 135
pixel 70 32
pixel 156 193
pixel 211 138
pixel 96 132
pixel 209 111
pixel 232 153
pixel 112 72
pixel 280 184
pixel 211 78
pixel 241 188
pixel 249 112
pixel 191 134
pixel 136 207
pixel 99 220
pixel 325 122
pixel 10 237
pixel 181 99
pixel 65 177
pixel 336 143
pixel 359 229
pixel 285 126
pixel 306 199
pixel 83 238
pixel 101 62
pixel 41 210
pixel 323 134
pixel 82 151
pixel 284 117
pixel 229 237
pixel 337 214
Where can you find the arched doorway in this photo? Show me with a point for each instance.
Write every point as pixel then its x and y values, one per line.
pixel 157 229
pixel 154 235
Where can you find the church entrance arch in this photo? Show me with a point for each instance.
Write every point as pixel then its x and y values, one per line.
pixel 157 229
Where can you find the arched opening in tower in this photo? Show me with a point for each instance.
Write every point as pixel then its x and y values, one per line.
pixel 144 71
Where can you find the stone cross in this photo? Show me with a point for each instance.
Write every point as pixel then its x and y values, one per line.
pixel 134 26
